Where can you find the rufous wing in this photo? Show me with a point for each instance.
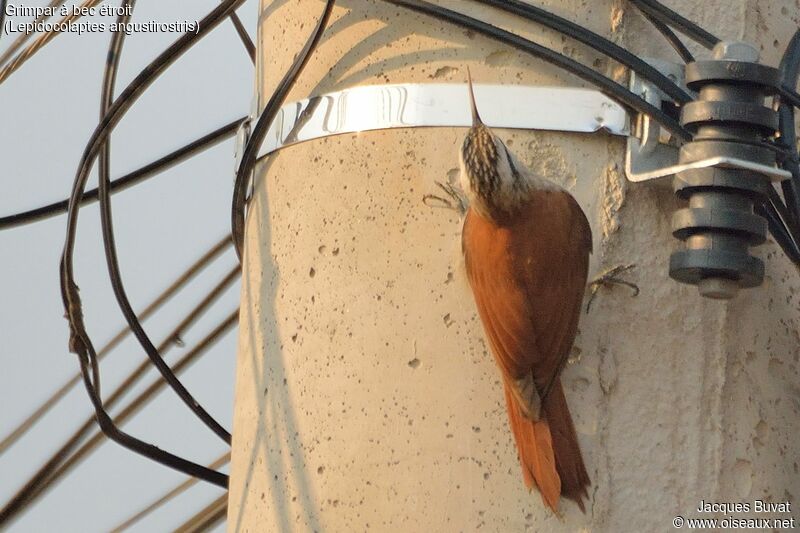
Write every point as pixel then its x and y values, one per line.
pixel 528 277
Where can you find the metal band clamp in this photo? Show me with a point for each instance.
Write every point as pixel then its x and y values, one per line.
pixel 412 105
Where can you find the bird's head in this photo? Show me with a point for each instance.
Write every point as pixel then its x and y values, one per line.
pixel 484 160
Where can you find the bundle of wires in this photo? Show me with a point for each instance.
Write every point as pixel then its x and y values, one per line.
pixel 80 342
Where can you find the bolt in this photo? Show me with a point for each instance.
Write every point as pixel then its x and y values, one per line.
pixel 735 51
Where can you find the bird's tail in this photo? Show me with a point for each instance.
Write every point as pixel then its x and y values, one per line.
pixel 548 450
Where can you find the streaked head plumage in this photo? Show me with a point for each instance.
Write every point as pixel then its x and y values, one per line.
pixel 479 155
pixel 496 183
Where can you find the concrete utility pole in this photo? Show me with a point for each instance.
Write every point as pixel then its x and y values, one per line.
pixel 366 397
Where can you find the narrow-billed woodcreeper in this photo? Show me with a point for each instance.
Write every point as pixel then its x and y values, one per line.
pixel 526 245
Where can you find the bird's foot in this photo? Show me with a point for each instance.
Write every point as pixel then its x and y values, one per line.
pixel 454 199
pixel 608 278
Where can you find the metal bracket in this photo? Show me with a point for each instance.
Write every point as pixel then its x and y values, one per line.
pixel 243 134
pixel 650 152
pixel 376 107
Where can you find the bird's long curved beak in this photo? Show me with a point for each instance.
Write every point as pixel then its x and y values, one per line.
pixel 476 118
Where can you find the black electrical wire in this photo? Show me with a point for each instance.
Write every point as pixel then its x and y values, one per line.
pixel 244 37
pixel 668 34
pixel 262 126
pixel 154 453
pixel 2 16
pixel 790 69
pixel 780 207
pixel 89 365
pixel 106 97
pixel 106 423
pixel 106 221
pixel 79 339
pixel 117 110
pixel 778 230
pixel 54 467
pixel 595 41
pixel 128 180
pixel 608 87
pixel 789 95
pixel 149 393
pixel 673 19
pixel 80 343
pixel 177 284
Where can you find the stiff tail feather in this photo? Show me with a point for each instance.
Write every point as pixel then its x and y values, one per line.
pixel 569 462
pixel 535 448
pixel 548 450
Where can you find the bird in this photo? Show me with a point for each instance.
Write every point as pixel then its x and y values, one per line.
pixel 526 244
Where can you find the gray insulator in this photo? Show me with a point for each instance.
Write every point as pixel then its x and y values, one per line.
pixel 728 120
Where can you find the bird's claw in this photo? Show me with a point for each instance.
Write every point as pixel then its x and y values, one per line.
pixel 610 277
pixel 454 199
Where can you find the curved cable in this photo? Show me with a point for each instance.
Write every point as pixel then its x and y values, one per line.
pixel 244 37
pixel 608 87
pixel 778 229
pixel 2 16
pixel 151 308
pixel 595 41
pixel 680 23
pixel 79 342
pixel 106 423
pixel 58 464
pixel 789 95
pixel 147 394
pixel 262 126
pixel 110 429
pixel 790 70
pixel 90 367
pixel 106 222
pixel 106 96
pixel 674 41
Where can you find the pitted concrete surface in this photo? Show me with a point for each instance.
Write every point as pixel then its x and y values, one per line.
pixel 366 397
